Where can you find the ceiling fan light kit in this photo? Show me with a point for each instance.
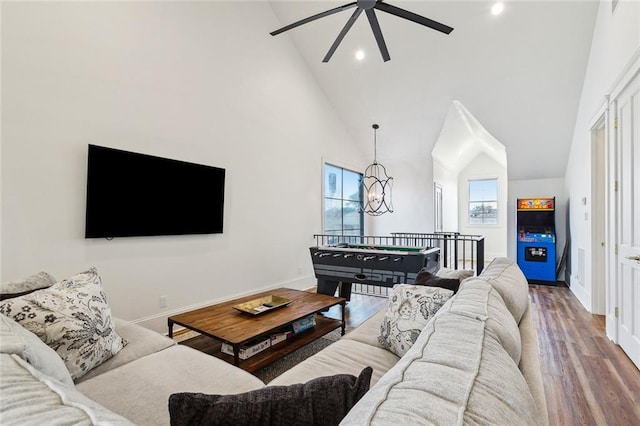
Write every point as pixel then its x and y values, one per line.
pixel 369 7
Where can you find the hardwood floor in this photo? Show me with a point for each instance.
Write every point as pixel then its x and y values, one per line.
pixel 358 309
pixel 588 379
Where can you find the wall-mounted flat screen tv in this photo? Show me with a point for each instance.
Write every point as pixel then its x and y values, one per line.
pixel 131 194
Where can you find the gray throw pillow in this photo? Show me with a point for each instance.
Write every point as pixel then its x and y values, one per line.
pixel 32 283
pixel 323 401
pixel 425 277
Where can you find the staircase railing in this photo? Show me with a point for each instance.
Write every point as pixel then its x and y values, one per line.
pixel 457 251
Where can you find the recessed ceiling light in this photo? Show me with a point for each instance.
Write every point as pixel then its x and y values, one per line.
pixel 497 8
pixel 360 54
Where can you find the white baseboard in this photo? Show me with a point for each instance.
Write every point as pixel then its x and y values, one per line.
pixel 581 293
pixel 158 322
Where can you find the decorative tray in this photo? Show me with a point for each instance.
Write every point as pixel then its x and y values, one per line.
pixel 262 304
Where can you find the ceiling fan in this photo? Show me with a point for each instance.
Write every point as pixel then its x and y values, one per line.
pixel 368 7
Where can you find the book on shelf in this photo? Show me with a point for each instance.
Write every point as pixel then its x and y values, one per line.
pixel 281 336
pixel 249 349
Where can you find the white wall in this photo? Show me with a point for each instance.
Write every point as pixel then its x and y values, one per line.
pixel 616 40
pixel 495 236
pixel 412 198
pixel 534 188
pixel 201 82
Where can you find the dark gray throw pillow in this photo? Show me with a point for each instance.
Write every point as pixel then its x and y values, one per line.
pixel 323 401
pixel 425 277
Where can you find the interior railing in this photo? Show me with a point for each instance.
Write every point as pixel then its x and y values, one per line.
pixel 457 251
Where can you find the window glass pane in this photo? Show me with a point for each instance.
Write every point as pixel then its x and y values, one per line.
pixel 332 215
pixel 342 215
pixel 351 185
pixel 483 190
pixel 483 204
pixel 351 215
pixel 483 213
pixel 332 181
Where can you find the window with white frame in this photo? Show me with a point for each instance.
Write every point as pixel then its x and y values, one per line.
pixel 483 201
pixel 342 198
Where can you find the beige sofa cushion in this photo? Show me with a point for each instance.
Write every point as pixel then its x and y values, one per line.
pixel 478 298
pixel 456 372
pixel 30 397
pixel 530 364
pixel 369 331
pixel 140 390
pixel 342 357
pixel 505 276
pixel 141 342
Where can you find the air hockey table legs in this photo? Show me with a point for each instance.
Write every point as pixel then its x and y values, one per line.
pixel 329 288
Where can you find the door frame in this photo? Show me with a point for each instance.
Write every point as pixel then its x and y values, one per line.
pixel 599 212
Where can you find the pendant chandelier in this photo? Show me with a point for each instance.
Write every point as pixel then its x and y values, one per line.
pixel 376 185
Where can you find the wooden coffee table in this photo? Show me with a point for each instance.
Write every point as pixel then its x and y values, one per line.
pixel 228 325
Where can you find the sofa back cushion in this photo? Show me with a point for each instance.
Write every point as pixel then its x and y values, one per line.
pixel 479 299
pixel 457 372
pixel 507 278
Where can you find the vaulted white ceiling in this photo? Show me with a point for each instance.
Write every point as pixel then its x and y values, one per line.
pixel 520 74
pixel 463 138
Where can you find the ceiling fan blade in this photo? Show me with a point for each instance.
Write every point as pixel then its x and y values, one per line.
pixel 413 17
pixel 345 30
pixel 313 18
pixel 377 32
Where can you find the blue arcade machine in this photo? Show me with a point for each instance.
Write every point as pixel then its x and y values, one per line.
pixel 535 223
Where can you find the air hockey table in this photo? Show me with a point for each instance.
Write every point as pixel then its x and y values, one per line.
pixel 341 265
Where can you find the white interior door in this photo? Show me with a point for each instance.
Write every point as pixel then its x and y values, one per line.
pixel 628 215
pixel 437 206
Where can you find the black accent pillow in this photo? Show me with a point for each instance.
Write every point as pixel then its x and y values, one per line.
pixel 323 401
pixel 425 277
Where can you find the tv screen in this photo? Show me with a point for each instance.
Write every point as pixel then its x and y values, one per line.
pixel 131 194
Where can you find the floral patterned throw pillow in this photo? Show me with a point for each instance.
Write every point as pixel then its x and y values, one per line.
pixel 408 310
pixel 73 318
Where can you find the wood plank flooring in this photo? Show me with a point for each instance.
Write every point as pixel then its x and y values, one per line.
pixel 359 309
pixel 588 379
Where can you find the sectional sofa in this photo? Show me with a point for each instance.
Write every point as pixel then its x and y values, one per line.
pixel 475 361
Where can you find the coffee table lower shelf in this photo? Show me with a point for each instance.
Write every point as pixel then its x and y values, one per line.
pixel 323 326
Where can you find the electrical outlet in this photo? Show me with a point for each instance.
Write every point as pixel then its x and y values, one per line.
pixel 163 301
